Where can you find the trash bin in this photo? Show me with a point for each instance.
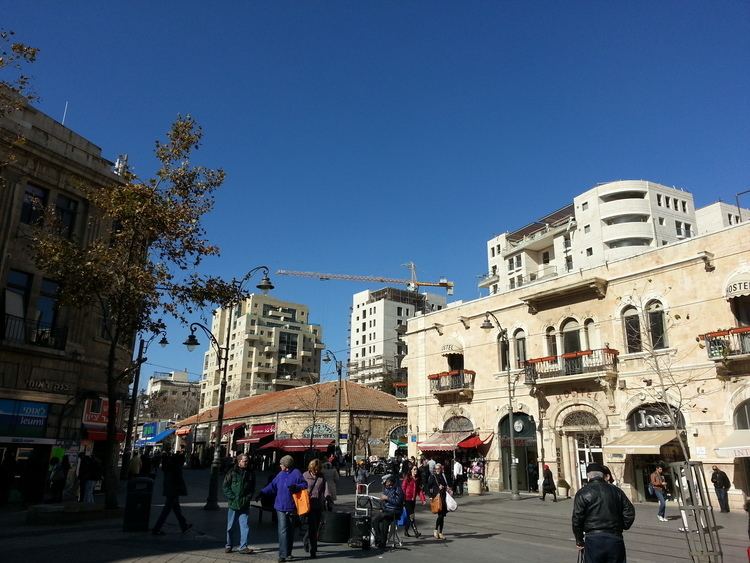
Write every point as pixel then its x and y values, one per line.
pixel 138 504
pixel 335 527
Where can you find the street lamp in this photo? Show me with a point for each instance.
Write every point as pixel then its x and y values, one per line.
pixel 503 335
pixel 327 358
pixel 222 354
pixel 142 349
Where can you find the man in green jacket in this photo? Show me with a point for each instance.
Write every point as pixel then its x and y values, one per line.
pixel 239 485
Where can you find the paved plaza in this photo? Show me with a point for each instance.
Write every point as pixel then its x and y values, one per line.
pixel 487 529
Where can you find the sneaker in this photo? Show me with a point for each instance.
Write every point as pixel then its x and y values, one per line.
pixel 245 551
pixel 228 549
pixel 441 536
pixel 436 535
pixel 662 519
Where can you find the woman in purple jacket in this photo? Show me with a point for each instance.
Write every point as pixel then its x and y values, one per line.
pixel 288 481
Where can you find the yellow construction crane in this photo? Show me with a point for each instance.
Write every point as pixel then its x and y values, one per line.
pixel 412 284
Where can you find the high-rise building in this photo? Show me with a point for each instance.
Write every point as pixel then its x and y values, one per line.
pixel 272 346
pixel 378 319
pixel 610 221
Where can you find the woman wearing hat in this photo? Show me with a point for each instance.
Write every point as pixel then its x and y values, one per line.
pixel 286 482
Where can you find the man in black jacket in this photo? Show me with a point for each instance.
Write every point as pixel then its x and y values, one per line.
pixel 721 486
pixel 392 501
pixel 601 511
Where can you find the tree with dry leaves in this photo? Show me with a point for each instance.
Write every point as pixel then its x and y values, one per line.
pixel 140 261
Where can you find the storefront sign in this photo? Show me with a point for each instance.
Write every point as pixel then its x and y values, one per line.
pixel 451 349
pixel 654 417
pixel 149 430
pixel 738 285
pixel 257 430
pixel 49 386
pixel 23 418
pixel 575 394
pixel 96 412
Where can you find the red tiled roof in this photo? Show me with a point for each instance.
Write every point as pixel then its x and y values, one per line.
pixel 354 398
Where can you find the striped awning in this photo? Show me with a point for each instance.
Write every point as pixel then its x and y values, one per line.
pixel 443 441
pixel 737 285
pixel 649 442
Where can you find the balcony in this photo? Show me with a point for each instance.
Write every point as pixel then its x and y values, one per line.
pixel 457 383
pixel 401 390
pixel 18 330
pixel 488 280
pixel 729 347
pixel 288 381
pixel 572 366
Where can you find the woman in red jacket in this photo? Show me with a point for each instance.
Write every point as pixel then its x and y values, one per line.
pixel 412 489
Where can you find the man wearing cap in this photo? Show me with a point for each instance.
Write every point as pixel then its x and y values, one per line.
pixel 393 503
pixel 600 514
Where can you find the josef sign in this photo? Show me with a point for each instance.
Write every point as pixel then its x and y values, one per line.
pixel 655 417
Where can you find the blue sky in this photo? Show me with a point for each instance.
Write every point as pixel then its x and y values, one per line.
pixel 357 136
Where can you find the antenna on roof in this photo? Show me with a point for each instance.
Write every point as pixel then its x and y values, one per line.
pixel 65 112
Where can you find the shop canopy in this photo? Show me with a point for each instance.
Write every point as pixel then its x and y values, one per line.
pixel 475 441
pixel 298 444
pixel 156 439
pixel 736 445
pixel 646 442
pixel 443 441
pixel 184 431
pixel 228 428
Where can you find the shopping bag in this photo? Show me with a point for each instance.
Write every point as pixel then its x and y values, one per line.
pixel 404 518
pixel 436 504
pixel 302 501
pixel 450 503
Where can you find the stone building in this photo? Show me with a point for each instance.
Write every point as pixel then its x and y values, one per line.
pixel 287 420
pixel 599 364
pixel 51 357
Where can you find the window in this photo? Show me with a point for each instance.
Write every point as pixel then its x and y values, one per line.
pixel 17 291
pixel 504 346
pixel 688 230
pixel 568 263
pixel 566 241
pixel 678 228
pixel 674 204
pixel 518 261
pixel 657 325
pixel 571 336
pixel 589 252
pixel 34 201
pixel 545 257
pixel 66 210
pixel 584 206
pixel 684 206
pixel 631 324
pixel 46 304
pixel 666 200
pixel 661 221
pixel 551 339
pixel 494 291
pixel 658 200
pixel 587 228
pixel 494 270
pixel 492 251
pixel 519 341
pixel 399 311
pixel 512 283
pixel 589 334
pixel 510 261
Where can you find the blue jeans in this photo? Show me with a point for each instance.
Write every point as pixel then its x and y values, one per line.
pixel 286 533
pixel 604 548
pixel 721 494
pixel 662 503
pixel 238 517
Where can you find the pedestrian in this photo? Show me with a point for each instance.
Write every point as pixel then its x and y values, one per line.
pixel 173 488
pixel 392 500
pixel 331 475
pixel 89 472
pixel 533 470
pixel 658 483
pixel 548 484
pixel 747 509
pixel 438 486
pixel 431 463
pixel 239 486
pixel 361 474
pixel 412 487
pixel 608 475
pixel 317 487
pixel 601 512
pixel 458 478
pixel 424 476
pixel 58 473
pixel 721 486
pixel 134 467
pixel 287 481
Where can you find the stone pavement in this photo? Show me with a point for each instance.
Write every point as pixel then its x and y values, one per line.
pixel 487 529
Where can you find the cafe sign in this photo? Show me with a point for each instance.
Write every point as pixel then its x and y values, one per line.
pixel 655 417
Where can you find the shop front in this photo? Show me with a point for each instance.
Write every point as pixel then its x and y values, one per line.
pixel 525 449
pixel 651 440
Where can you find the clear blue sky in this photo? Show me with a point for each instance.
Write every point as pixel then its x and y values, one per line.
pixel 359 135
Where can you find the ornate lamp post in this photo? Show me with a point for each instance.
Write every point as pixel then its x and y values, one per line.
pixel 142 349
pixel 503 336
pixel 327 358
pixel 222 354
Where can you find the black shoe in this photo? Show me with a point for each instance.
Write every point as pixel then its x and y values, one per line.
pixel 406 532
pixel 186 528
pixel 313 555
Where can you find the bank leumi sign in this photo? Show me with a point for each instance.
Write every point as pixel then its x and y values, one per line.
pixel 656 416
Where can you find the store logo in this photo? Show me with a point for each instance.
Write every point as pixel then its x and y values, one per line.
pixel 645 421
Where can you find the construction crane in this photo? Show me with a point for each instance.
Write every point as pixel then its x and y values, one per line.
pixel 411 284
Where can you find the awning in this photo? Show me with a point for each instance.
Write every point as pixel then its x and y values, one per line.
pixel 443 441
pixel 298 444
pixel 156 439
pixel 101 435
pixel 451 346
pixel 184 431
pixel 254 439
pixel 475 441
pixel 646 442
pixel 227 428
pixel 736 445
pixel 737 285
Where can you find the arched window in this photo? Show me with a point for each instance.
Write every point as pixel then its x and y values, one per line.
pixel 589 335
pixel 571 336
pixel 657 326
pixel 551 338
pixel 742 416
pixel 458 424
pixel 519 342
pixel 631 325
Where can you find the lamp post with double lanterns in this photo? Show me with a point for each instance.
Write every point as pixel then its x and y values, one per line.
pixel 222 354
pixel 503 336
pixel 140 360
pixel 330 356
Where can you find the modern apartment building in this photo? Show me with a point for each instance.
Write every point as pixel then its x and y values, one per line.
pixel 378 320
pixel 610 221
pixel 272 347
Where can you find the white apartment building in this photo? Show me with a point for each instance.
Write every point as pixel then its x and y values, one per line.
pixel 718 216
pixel 378 320
pixel 611 221
pixel 174 383
pixel 272 347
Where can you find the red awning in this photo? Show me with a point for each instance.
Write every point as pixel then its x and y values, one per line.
pixel 254 439
pixel 443 441
pixel 228 428
pixel 298 444
pixel 475 441
pixel 184 431
pixel 101 435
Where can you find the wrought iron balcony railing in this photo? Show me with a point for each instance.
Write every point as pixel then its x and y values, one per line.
pixel 727 344
pixel 584 362
pixel 451 381
pixel 27 331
